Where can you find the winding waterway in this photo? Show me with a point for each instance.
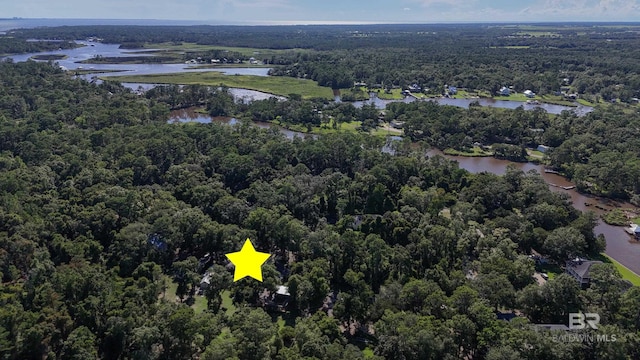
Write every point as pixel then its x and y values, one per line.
pixel 620 245
pixel 464 103
pixel 90 50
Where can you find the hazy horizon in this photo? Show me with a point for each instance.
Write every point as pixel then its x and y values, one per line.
pixel 330 11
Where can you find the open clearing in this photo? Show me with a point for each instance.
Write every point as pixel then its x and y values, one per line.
pixel 278 85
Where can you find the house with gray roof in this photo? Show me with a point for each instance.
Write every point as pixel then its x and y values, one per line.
pixel 579 268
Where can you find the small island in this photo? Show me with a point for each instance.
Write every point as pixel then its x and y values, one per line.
pixel 49 57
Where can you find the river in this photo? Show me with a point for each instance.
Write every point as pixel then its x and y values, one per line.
pixel 620 245
pixel 464 103
pixel 90 50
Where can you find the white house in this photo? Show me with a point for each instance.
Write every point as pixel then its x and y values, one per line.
pixel 529 93
pixel 504 91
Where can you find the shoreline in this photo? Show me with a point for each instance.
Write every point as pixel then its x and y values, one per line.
pixel 615 235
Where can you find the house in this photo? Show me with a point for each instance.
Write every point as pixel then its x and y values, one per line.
pixel 282 292
pixel 506 316
pixel 205 282
pixel 452 90
pixel 579 268
pixel 552 327
pixel 414 88
pixel 529 94
pixel 277 301
pixel 397 124
pixel 157 242
pixel 543 148
pixel 505 91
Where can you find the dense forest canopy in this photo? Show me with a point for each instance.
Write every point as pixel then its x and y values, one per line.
pixel 105 209
pixel 598 60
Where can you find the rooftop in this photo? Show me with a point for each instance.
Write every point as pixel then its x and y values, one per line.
pixel 581 266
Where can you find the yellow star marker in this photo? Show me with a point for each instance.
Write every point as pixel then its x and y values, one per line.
pixel 248 262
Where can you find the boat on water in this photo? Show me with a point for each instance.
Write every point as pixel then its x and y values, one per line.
pixel 533 102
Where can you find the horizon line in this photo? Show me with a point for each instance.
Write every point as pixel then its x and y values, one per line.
pixel 214 22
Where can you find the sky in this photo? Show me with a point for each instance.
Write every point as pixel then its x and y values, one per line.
pixel 329 11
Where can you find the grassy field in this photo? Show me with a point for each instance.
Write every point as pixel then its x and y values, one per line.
pixel 278 85
pixel 534 155
pixel 396 94
pixel 517 97
pixel 477 152
pixel 227 303
pixel 344 127
pixel 551 270
pixel 200 303
pixel 624 271
pixel 585 102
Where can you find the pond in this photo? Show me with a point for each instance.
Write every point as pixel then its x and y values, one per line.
pixel 192 115
pixel 620 245
pixel 245 95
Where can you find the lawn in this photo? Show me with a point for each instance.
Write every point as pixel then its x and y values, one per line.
pixel 551 270
pixel 344 127
pixel 227 303
pixel 624 271
pixel 476 152
pixel 278 85
pixel 200 303
pixel 585 102
pixel 395 94
pixel 535 153
pixel 516 97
